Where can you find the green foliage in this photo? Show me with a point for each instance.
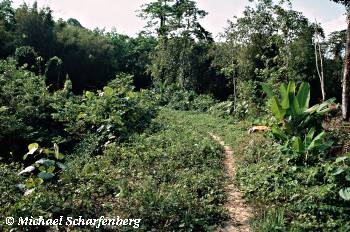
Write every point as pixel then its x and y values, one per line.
pixel 132 55
pixel 25 114
pixel 308 194
pixel 7 26
pixel 87 57
pixel 173 18
pixel 342 171
pixel 296 170
pixel 171 177
pixel 35 28
pixel 247 103
pixel 222 109
pixel 298 126
pixel 48 165
pixel 74 22
pixel 185 62
pixel 179 99
pixel 113 113
pixel 26 56
pixel 53 72
pixel 291 109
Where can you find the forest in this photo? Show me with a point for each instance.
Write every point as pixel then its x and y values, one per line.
pixel 172 128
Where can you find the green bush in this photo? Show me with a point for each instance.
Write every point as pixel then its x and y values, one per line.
pixel 222 109
pixel 298 126
pixel 292 176
pixel 112 114
pixel 27 56
pixel 171 177
pixel 176 98
pixel 308 195
pixel 25 112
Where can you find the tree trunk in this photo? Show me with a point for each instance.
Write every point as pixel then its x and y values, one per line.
pixel 318 54
pixel 346 76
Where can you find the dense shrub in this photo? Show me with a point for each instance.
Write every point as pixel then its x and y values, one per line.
pixel 54 73
pixel 171 177
pixel 26 55
pixel 290 197
pixel 111 114
pixel 25 114
pixel 294 172
pixel 179 99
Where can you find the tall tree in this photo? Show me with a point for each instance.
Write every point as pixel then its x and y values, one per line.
pixel 181 36
pixel 7 26
pixel 346 75
pixel 34 27
pixel 157 13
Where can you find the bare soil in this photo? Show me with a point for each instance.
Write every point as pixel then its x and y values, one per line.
pixel 240 213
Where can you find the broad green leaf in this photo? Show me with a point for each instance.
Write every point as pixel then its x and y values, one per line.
pixel 309 137
pixel 276 109
pixel 108 91
pixel 51 169
pixel 267 89
pixel 61 165
pixel 336 171
pixel 341 159
pixel 3 109
pixel 46 162
pixel 29 183
pixel 32 148
pixel 287 98
pixel 295 108
pixel 279 133
pixel 38 181
pixel 317 141
pixel 291 88
pixel 45 175
pixel 303 96
pixel 347 177
pixel 345 193
pixel 284 96
pixel 88 94
pixel 60 156
pixel 298 145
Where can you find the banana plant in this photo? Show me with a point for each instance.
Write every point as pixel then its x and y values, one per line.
pixel 298 125
pixel 291 108
pixel 310 143
pixel 294 101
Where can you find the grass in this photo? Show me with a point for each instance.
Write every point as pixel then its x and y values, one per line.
pixel 288 196
pixel 171 176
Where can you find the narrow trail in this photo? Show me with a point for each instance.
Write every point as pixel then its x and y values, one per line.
pixel 240 213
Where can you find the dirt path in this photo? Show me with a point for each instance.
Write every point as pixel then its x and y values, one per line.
pixel 240 213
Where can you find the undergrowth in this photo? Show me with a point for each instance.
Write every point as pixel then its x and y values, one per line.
pixel 171 176
pixel 289 197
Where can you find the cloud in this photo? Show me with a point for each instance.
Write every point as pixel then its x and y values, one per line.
pixel 122 14
pixel 335 24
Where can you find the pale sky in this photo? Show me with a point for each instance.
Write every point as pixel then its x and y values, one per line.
pixel 122 14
